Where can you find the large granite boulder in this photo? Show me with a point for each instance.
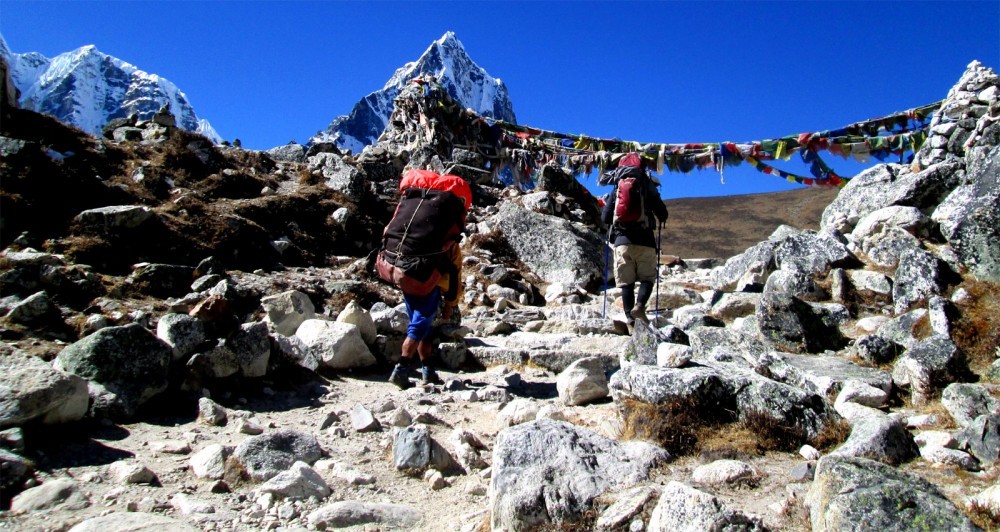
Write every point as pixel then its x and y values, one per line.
pixel 910 219
pixel 887 185
pixel 129 363
pixel 287 310
pixel 339 175
pixel 547 473
pixel 682 507
pixel 31 389
pixel 184 333
pixel 115 217
pixel 757 262
pixel 266 455
pixel 929 365
pixel 982 439
pixel 847 492
pixel 797 326
pixel 291 152
pixel 919 276
pixel 876 436
pixel 556 250
pixel 582 382
pixel 811 252
pixel 335 345
pixel 722 392
pixel 976 233
pixel 966 402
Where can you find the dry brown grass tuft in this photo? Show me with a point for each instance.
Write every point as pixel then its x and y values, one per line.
pixel 771 434
pixel 496 243
pixel 674 426
pixel 684 428
pixel 307 179
pixel 977 330
pixel 731 442
pixel 833 434
pixel 982 516
pixel 85 249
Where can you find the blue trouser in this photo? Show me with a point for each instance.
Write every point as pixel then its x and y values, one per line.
pixel 421 311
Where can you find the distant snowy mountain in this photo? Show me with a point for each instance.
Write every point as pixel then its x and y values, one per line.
pixel 446 58
pixel 88 88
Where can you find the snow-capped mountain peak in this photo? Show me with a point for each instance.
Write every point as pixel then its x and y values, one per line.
pixel 447 60
pixel 87 88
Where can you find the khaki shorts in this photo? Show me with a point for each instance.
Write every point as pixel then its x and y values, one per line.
pixel 634 263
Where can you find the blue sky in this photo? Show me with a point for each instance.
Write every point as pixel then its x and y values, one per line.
pixel 673 72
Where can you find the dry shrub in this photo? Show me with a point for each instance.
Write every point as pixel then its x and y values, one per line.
pixel 729 442
pixel 977 330
pixel 770 433
pixel 308 179
pixel 683 427
pixel 673 426
pixel 832 435
pixel 678 426
pixel 982 516
pixel 85 249
pixel 496 243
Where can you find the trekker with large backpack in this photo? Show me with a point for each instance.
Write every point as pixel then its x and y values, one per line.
pixel 633 211
pixel 420 255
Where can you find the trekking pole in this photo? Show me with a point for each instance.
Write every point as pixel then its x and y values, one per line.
pixel 656 307
pixel 607 254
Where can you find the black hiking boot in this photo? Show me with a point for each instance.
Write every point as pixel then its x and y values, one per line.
pixel 429 376
pixel 400 377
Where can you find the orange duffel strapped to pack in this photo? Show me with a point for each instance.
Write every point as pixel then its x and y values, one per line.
pixel 429 220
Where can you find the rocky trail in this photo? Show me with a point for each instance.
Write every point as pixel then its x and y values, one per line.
pixel 191 340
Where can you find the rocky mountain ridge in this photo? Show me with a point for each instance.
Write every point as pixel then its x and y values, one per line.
pixel 87 89
pixel 445 59
pixel 199 327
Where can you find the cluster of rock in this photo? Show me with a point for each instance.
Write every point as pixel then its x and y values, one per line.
pixel 156 129
pixel 804 338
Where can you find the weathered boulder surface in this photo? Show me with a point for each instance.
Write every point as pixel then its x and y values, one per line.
pixel 582 382
pixel 134 522
pixel 849 491
pixel 335 345
pixel 266 455
pixel 31 389
pixel 966 402
pixel 555 249
pixel 287 310
pixel 976 234
pixel 982 439
pixel 797 326
pixel 356 513
pixel 129 363
pixel 62 494
pixel 726 388
pixel 549 472
pixel 682 507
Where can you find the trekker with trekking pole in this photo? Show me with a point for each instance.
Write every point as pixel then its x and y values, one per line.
pixel 633 211
pixel 421 256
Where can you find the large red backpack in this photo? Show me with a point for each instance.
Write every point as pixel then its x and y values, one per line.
pixel 630 191
pixel 427 222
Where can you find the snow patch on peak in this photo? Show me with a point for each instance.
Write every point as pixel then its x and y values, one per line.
pixel 87 88
pixel 449 36
pixel 447 60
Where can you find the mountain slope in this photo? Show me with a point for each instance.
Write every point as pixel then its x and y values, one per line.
pixel 88 88
pixel 724 226
pixel 446 59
